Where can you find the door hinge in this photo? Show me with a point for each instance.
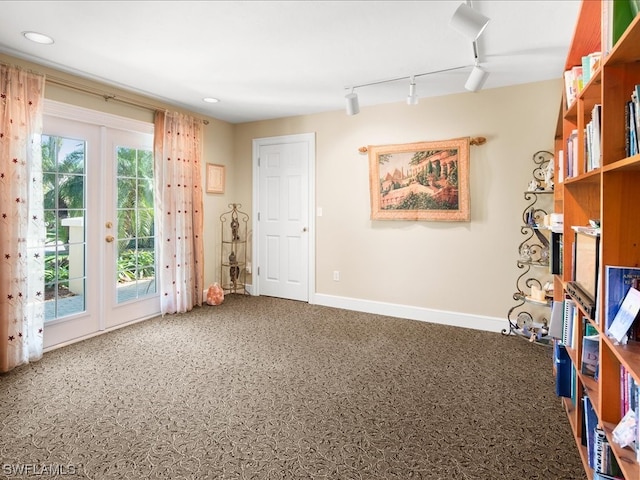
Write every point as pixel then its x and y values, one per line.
pixel 258 161
pixel 258 216
pixel 258 271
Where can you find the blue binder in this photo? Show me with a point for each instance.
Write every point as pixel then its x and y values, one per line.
pixel 563 370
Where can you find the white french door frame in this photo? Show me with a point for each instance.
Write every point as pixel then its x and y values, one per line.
pixel 95 236
pixel 310 139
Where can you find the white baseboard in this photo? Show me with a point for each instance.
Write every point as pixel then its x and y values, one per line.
pixel 455 319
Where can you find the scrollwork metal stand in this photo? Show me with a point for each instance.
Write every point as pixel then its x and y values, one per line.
pixel 233 262
pixel 529 318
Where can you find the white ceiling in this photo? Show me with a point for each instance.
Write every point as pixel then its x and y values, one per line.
pixel 272 59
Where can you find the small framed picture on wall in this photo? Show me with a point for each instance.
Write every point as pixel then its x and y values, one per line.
pixel 215 178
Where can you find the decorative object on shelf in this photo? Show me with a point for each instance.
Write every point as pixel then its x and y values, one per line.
pixel 234 269
pixel 235 226
pixel 233 263
pixel 529 318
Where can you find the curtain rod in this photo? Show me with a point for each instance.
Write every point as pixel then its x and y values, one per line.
pixel 106 96
pixel 84 89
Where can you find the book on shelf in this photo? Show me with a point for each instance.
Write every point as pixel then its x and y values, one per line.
pixel 625 316
pixel 560 166
pixel 590 355
pixel 631 143
pixel 635 101
pixel 602 476
pixel 556 321
pixel 590 63
pixel 616 16
pixel 570 313
pixel 605 461
pixel 571 155
pixel 590 423
pixel 563 371
pixel 618 281
pixel 629 390
pixel 594 143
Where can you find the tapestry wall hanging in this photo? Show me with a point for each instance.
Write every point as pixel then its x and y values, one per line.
pixel 420 181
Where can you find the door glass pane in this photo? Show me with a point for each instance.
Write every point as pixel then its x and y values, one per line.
pixel 64 180
pixel 136 230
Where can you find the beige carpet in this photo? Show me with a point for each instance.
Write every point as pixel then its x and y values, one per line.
pixel 263 388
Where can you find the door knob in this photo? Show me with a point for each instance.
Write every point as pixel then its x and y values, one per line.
pixel 304 229
pixel 109 238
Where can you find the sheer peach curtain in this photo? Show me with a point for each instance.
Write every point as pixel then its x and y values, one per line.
pixel 177 151
pixel 22 230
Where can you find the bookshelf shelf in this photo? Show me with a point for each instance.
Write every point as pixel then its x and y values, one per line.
pixel 626 50
pixel 626 164
pixel 592 176
pixel 606 190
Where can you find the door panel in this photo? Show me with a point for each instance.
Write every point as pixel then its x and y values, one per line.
pixel 130 278
pixel 283 240
pixel 70 149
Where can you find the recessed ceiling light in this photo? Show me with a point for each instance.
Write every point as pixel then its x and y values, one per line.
pixel 38 37
pixel 210 100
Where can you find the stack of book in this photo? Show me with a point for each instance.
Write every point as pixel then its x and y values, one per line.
pixel 599 454
pixel 593 141
pixel 632 123
pixel 571 156
pixel 579 75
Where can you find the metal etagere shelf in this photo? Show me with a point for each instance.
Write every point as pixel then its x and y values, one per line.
pixel 233 251
pixel 529 318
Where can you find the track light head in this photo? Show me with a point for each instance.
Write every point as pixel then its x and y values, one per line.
pixel 351 99
pixel 412 98
pixel 468 22
pixel 476 79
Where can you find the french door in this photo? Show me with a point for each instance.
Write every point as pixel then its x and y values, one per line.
pixel 99 211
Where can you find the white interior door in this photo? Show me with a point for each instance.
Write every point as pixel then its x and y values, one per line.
pixel 284 223
pixel 100 253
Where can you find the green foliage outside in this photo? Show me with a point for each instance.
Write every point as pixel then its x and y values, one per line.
pixel 64 196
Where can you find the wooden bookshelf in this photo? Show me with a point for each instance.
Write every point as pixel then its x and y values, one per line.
pixel 608 193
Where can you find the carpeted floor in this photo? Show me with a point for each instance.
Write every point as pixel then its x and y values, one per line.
pixel 264 388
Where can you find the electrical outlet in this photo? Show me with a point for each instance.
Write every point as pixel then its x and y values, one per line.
pixel 336 276
pixel 248 268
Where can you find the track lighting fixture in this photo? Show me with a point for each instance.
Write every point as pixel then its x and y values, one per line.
pixel 353 108
pixel 412 99
pixel 468 22
pixel 476 79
